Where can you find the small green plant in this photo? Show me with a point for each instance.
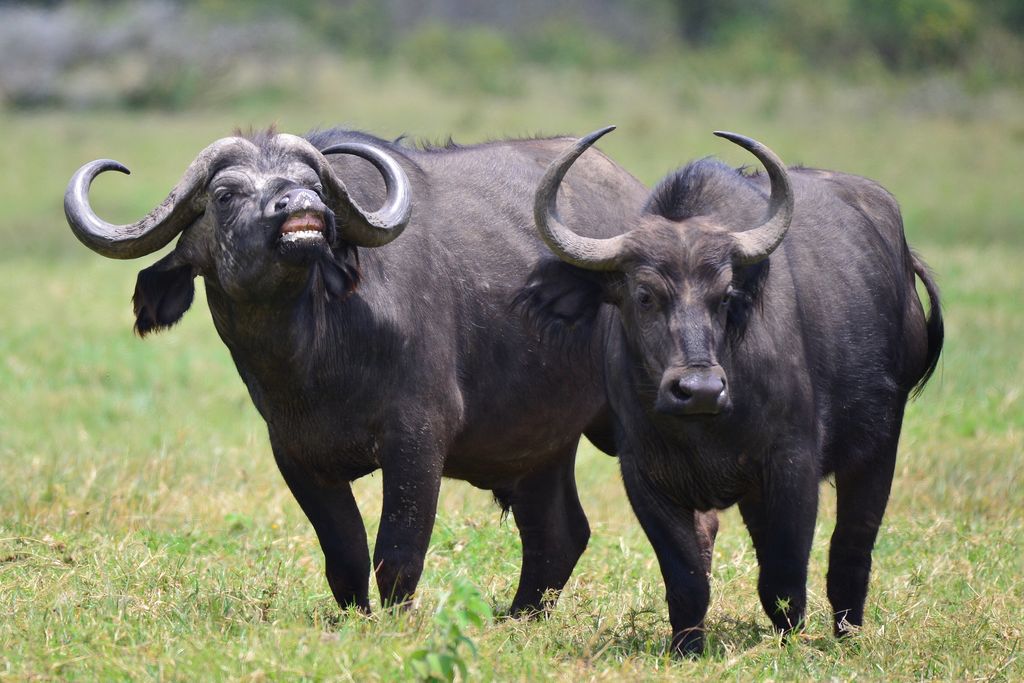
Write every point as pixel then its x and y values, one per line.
pixel 459 610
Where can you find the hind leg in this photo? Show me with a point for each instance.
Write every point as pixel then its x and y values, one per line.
pixel 862 493
pixel 553 530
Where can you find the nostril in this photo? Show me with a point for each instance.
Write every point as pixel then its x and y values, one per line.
pixel 681 391
pixel 282 203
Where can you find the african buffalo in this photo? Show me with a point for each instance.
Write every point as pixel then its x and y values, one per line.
pixel 362 351
pixel 751 354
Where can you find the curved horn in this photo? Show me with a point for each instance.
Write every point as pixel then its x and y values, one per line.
pixel 585 252
pixel 755 245
pixel 159 226
pixel 377 228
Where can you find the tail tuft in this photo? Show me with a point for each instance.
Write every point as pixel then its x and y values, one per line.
pixel 936 329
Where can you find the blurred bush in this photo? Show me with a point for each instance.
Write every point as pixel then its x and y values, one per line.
pixel 904 36
pixel 136 54
pixel 171 54
pixel 918 34
pixel 476 58
pixel 563 42
pixel 487 60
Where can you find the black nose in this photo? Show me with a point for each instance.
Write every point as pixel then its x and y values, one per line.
pixel 693 391
pixel 298 199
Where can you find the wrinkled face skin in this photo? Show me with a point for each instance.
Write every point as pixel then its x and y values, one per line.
pixel 675 296
pixel 266 223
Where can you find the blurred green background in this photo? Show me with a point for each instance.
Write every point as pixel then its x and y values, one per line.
pixel 172 55
pixel 144 531
pixel 923 95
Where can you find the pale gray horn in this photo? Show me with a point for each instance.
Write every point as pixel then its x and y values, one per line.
pixel 377 228
pixel 160 225
pixel 585 252
pixel 755 245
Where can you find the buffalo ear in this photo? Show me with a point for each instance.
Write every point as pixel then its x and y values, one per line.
pixel 163 292
pixel 747 283
pixel 559 299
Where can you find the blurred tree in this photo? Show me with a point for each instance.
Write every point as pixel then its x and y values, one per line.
pixel 821 33
pixel 915 34
pixel 1010 13
pixel 701 21
pixel 905 34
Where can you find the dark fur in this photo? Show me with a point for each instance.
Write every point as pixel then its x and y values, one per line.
pixel 821 345
pixel 333 278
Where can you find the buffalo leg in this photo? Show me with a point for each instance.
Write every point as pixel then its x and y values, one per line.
pixel 861 497
pixel 407 518
pixel 681 556
pixel 553 529
pixel 339 527
pixel 780 519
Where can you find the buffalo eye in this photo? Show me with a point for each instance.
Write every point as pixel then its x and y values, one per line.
pixel 727 298
pixel 224 198
pixel 644 298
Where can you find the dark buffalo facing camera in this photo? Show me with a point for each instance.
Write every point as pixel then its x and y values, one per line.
pixel 366 351
pixel 767 334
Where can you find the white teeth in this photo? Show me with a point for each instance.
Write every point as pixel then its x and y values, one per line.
pixel 300 235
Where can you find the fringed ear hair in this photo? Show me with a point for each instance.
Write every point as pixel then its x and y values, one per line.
pixel 560 302
pixel 748 282
pixel 163 292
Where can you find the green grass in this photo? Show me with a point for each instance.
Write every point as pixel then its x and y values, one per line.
pixel 146 534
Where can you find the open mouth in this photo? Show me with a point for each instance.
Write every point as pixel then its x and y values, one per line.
pixel 303 227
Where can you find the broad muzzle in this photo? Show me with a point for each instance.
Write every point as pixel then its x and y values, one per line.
pixel 693 391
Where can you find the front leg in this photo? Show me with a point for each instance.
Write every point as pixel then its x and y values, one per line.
pixel 681 552
pixel 412 480
pixel 780 517
pixel 335 517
